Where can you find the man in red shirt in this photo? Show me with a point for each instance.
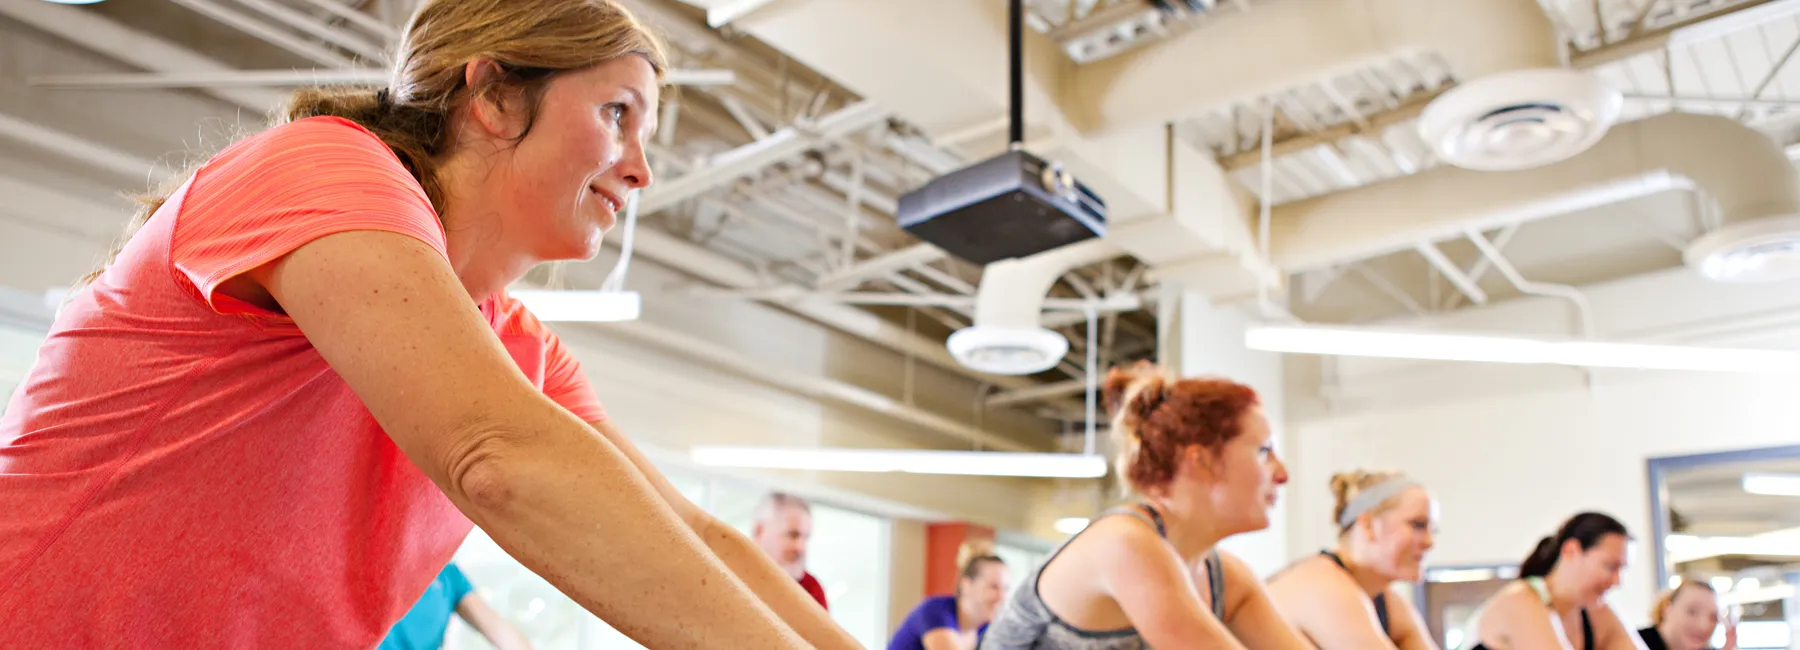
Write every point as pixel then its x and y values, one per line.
pixel 783 527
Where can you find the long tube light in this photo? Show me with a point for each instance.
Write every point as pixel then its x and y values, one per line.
pixel 581 306
pixel 911 461
pixel 1439 346
pixel 1775 485
pixel 611 304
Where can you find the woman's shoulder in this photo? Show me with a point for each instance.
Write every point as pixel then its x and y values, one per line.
pixel 1304 571
pixel 1514 598
pixel 310 150
pixel 1310 581
pixel 316 126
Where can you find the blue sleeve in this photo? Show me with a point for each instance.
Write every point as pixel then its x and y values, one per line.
pixel 939 613
pixel 456 585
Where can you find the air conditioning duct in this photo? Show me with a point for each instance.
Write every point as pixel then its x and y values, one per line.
pixel 1515 105
pixel 1520 119
pixel 1104 121
pixel 1741 171
pixel 1007 337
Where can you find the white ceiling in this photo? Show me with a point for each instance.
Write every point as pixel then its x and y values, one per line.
pixel 786 222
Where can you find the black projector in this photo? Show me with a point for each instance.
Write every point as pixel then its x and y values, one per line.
pixel 1012 205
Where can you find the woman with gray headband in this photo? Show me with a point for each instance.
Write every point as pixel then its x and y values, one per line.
pixel 1343 599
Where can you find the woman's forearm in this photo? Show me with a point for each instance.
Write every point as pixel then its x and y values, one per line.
pixel 774 586
pixel 570 507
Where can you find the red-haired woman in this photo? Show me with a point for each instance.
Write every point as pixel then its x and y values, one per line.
pixel 1199 455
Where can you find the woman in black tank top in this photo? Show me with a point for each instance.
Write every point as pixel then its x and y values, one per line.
pixel 1343 599
pixel 1559 593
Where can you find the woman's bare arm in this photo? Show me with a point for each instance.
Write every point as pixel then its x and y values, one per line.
pixel 1250 614
pixel 1518 620
pixel 390 317
pixel 1406 625
pixel 751 565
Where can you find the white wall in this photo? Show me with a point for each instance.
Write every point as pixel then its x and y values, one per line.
pixel 1511 451
pixel 1212 343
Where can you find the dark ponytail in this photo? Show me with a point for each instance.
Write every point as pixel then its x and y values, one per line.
pixel 1587 529
pixel 1541 560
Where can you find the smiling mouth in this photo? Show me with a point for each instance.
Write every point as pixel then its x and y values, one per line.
pixel 612 202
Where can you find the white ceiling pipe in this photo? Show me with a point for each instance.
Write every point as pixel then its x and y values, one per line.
pixel 953 74
pixel 1007 337
pixel 1745 173
pixel 1240 56
pixel 953 77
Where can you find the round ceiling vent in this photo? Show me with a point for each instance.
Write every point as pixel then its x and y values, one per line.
pixel 1521 119
pixel 1007 350
pixel 1757 250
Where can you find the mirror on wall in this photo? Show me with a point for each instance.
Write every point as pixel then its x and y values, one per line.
pixel 1732 520
pixel 1451 596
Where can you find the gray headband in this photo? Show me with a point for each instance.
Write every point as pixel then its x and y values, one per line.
pixel 1373 496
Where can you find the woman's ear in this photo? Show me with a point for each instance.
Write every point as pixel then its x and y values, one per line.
pixel 1570 548
pixel 494 105
pixel 1204 464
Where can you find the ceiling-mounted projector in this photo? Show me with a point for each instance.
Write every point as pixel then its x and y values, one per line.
pixel 1012 205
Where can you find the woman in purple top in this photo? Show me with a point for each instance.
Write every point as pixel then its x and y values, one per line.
pixel 957 622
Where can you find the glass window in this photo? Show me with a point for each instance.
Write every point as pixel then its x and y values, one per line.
pixel 848 554
pixel 18 351
pixel 1020 560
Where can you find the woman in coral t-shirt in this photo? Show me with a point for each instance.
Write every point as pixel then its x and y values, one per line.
pixel 271 419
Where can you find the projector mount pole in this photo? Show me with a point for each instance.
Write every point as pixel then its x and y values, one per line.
pixel 1016 35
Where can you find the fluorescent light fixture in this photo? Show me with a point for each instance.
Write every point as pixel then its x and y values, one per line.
pixel 581 306
pixel 911 461
pixel 1777 485
pixel 611 304
pixel 1460 575
pixel 1439 346
pixel 1071 525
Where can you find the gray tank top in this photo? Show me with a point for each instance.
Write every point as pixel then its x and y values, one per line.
pixel 1026 623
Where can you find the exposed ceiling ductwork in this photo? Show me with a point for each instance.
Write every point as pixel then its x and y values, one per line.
pixel 1198 227
pixel 1739 169
pixel 1515 106
pixel 1279 45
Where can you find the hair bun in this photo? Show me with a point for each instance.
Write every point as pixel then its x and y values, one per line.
pixel 1144 384
pixel 1113 389
pixel 974 549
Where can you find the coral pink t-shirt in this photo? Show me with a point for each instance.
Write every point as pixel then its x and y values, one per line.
pixel 183 470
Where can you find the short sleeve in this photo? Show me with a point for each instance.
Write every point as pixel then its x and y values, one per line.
pixel 939 613
pixel 565 383
pixel 563 380
pixel 456 585
pixel 275 191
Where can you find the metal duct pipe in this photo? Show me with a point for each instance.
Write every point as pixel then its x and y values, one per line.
pixel 1240 56
pixel 1742 171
